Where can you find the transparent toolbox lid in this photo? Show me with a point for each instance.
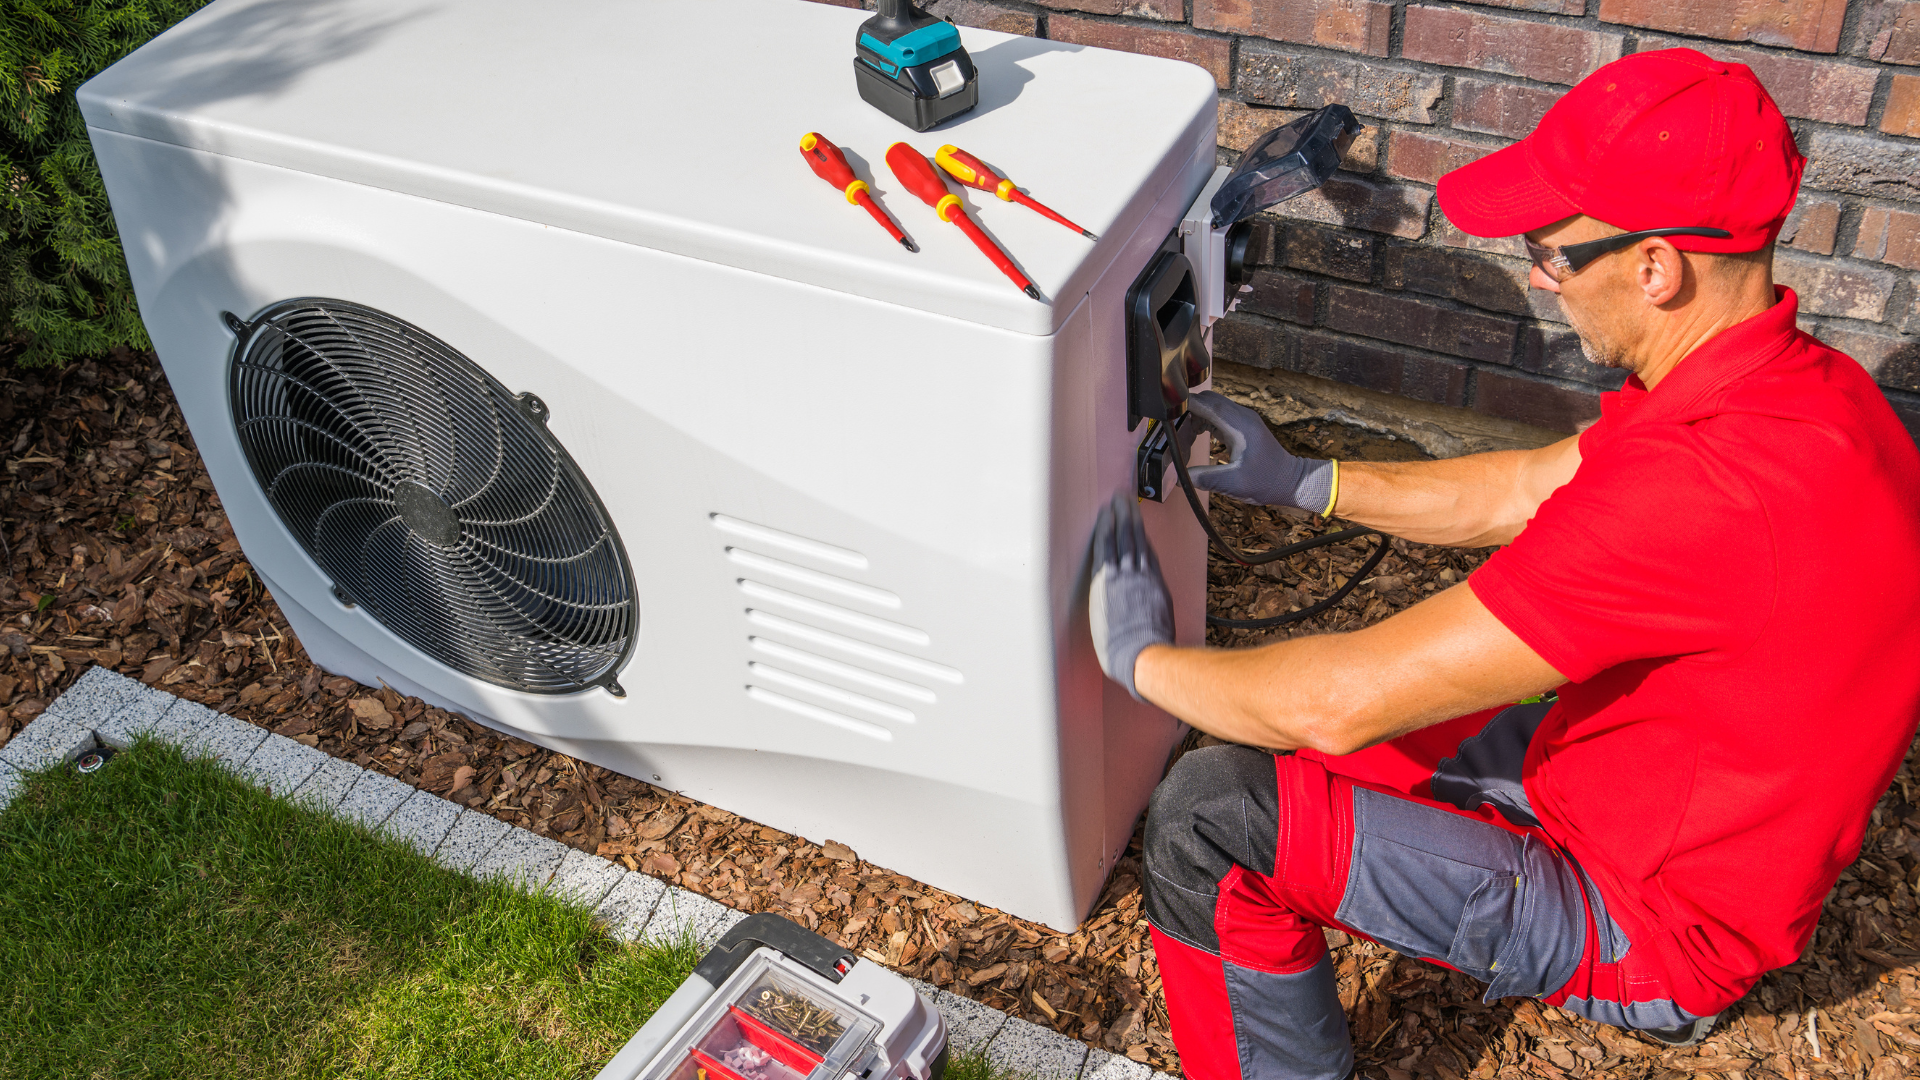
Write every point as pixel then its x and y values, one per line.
pixel 770 1021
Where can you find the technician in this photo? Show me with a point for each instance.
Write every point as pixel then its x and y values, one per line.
pixel 1688 573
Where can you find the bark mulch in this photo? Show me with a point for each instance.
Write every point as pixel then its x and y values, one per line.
pixel 117 553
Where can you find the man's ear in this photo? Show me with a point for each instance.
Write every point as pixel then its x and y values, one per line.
pixel 1661 271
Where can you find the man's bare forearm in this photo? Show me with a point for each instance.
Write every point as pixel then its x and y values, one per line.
pixel 1338 693
pixel 1280 696
pixel 1470 501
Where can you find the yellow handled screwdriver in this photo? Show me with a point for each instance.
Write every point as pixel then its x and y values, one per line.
pixel 969 170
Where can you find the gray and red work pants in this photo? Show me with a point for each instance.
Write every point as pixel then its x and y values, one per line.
pixel 1426 844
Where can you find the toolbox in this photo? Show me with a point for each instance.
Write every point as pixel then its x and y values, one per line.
pixel 775 1001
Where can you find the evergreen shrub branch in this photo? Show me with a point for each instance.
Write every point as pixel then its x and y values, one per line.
pixel 64 291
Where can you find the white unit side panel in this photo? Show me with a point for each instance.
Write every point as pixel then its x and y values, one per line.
pixel 882 475
pixel 674 125
pixel 1114 749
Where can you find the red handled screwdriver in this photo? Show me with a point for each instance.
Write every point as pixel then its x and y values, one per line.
pixel 920 177
pixel 829 164
pixel 968 169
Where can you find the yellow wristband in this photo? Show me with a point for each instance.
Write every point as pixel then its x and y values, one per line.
pixel 1334 498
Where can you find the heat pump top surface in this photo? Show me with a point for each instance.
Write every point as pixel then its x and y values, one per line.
pixel 674 124
pixel 542 379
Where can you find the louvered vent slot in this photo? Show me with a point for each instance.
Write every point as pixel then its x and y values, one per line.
pixel 432 496
pixel 824 645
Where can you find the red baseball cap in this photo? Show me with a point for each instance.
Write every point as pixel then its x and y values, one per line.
pixel 1654 140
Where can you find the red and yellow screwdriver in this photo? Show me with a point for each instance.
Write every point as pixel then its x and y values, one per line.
pixel 919 176
pixel 829 164
pixel 968 169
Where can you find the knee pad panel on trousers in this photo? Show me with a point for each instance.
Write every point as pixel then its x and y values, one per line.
pixel 1217 808
pixel 1289 1027
pixel 1439 886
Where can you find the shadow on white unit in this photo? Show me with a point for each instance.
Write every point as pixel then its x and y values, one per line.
pixel 541 379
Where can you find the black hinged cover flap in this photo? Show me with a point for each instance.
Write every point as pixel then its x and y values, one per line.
pixel 1290 160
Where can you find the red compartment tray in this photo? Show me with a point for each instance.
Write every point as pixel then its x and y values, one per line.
pixel 715 1070
pixel 784 1050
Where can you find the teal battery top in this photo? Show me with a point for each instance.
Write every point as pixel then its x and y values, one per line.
pixel 919 46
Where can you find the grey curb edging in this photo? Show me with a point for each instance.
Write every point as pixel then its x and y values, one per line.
pixel 107 708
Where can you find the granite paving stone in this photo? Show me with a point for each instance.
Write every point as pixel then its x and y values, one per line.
pixel 970 1025
pixel 584 879
pixel 422 822
pixel 10 784
pixel 222 738
pixel 629 904
pixel 328 785
pixel 1028 1049
pixel 1104 1066
pixel 195 716
pixel 95 697
pixel 147 712
pixel 373 799
pixel 522 858
pixel 47 741
pixel 281 765
pixel 473 835
pixel 683 913
pixel 180 725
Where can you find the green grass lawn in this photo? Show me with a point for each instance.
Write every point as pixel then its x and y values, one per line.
pixel 163 919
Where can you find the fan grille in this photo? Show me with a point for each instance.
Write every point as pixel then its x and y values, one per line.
pixel 432 496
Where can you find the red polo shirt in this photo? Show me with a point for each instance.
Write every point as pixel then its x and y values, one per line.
pixel 1731 581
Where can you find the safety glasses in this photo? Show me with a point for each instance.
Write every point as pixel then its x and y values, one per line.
pixel 1561 263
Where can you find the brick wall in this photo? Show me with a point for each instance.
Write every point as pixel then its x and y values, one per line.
pixel 1365 282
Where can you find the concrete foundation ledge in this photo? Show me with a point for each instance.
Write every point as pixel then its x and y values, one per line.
pixel 106 708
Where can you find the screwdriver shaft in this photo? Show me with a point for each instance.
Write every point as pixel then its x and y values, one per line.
pixel 992 251
pixel 1032 203
pixel 879 215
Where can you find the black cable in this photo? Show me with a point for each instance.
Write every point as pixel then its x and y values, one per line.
pixel 1260 558
pixel 1373 560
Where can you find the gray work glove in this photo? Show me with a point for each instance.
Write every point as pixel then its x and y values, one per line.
pixel 1129 608
pixel 1258 470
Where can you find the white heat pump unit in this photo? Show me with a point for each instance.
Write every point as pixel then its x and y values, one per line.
pixel 540 378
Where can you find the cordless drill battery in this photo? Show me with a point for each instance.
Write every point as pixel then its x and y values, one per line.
pixel 911 66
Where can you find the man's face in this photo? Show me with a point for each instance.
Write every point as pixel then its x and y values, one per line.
pixel 1597 301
